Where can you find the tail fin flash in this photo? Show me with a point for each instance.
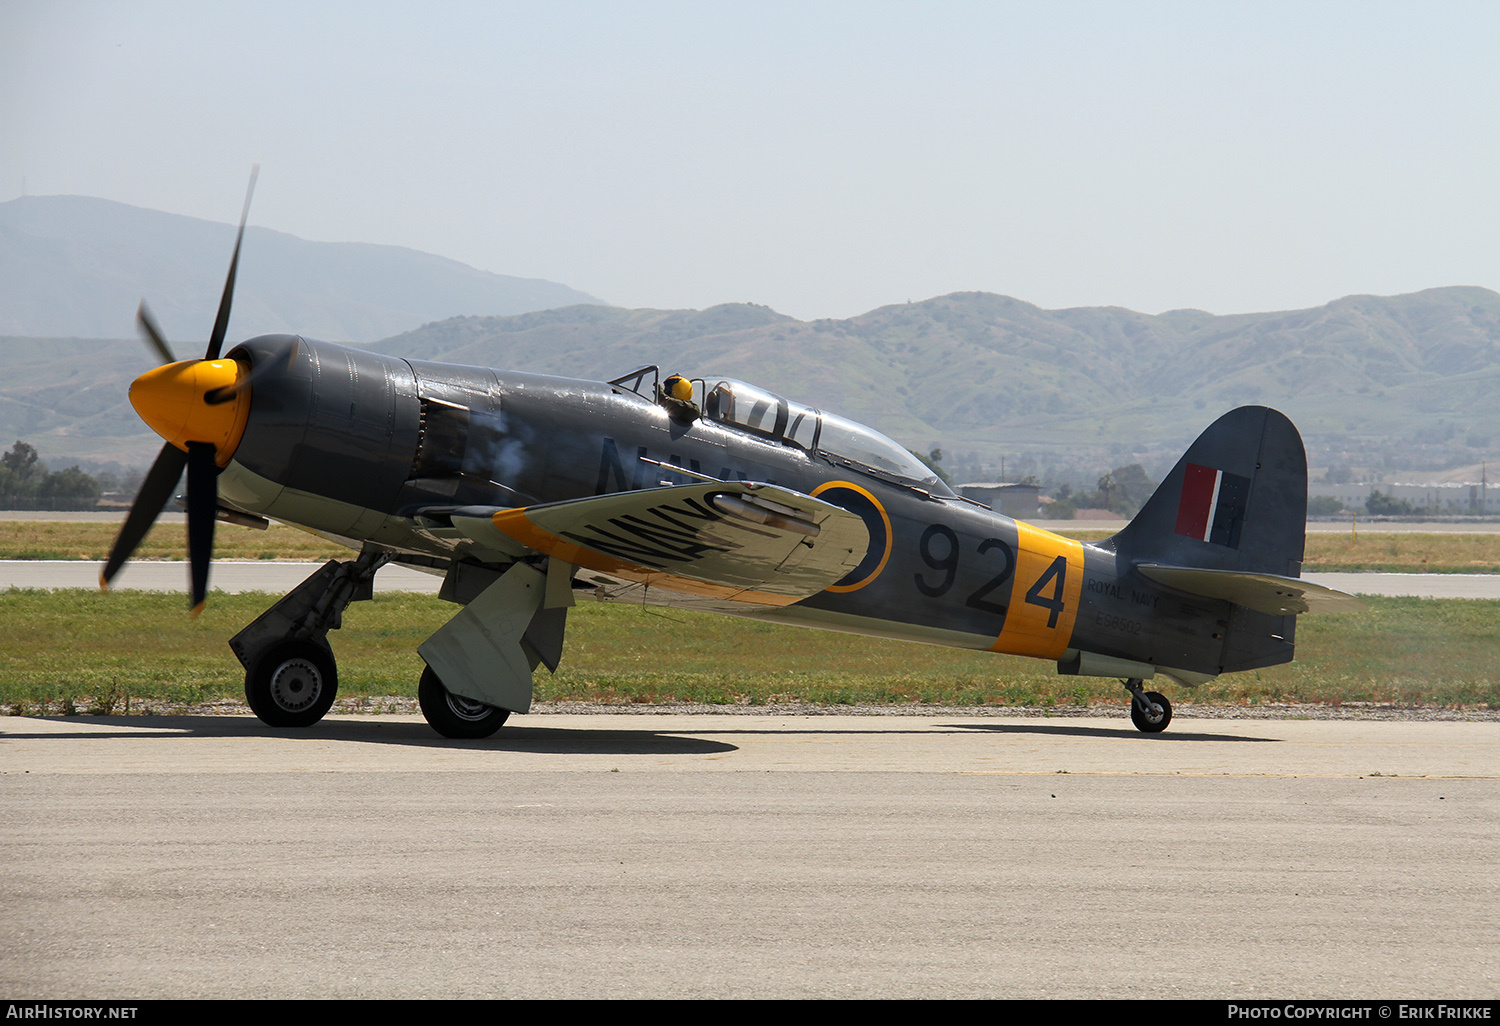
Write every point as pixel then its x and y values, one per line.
pixel 1237 500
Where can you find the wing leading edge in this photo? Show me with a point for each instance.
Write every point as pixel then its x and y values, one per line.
pixel 740 541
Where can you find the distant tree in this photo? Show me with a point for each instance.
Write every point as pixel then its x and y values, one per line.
pixel 71 486
pixel 1133 488
pixel 25 482
pixel 20 460
pixel 1061 509
pixel 20 474
pixel 932 459
pixel 1123 490
pixel 1323 506
pixel 1107 491
pixel 1380 504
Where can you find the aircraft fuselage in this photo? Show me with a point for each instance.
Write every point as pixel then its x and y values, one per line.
pixel 369 447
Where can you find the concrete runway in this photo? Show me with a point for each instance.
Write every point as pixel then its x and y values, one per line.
pixel 1456 526
pixel 280 577
pixel 227 575
pixel 749 856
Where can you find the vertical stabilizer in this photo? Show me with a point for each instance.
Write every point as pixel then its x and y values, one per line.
pixel 1237 500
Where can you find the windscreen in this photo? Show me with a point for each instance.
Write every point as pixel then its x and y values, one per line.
pixel 868 447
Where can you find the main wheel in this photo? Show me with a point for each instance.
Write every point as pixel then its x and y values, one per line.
pixel 292 684
pixel 454 715
pixel 1149 721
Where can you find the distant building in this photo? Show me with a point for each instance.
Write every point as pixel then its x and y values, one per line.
pixel 1013 500
pixel 1446 497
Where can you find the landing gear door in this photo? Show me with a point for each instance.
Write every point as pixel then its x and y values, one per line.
pixel 478 654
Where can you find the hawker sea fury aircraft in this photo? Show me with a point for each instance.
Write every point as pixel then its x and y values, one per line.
pixel 525 491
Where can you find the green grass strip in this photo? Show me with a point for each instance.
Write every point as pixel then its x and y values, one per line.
pixel 87 651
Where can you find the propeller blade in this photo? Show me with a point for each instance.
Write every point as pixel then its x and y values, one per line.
pixel 221 323
pixel 149 328
pixel 223 395
pixel 202 511
pixel 160 482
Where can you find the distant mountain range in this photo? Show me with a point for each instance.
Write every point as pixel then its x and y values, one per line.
pixel 75 267
pixel 1390 383
pixel 987 374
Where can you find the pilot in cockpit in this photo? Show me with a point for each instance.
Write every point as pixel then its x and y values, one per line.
pixel 677 397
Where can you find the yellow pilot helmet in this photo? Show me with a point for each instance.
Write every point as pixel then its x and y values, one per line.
pixel 678 387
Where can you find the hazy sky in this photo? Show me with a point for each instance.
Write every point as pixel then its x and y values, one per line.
pixel 821 158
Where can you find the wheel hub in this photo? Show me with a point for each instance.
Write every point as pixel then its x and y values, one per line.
pixel 467 708
pixel 296 684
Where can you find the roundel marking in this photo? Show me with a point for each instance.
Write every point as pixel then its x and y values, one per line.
pixel 859 501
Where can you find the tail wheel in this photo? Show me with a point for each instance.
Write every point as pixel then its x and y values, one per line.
pixel 1156 714
pixel 292 684
pixel 454 715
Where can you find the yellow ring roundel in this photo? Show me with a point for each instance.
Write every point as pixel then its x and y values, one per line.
pixel 858 500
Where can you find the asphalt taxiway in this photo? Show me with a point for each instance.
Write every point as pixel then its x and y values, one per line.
pixel 749 856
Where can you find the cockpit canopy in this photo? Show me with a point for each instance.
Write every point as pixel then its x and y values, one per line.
pixel 742 406
pixel 739 404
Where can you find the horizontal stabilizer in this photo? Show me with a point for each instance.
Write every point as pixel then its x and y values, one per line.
pixel 1264 593
pixel 734 540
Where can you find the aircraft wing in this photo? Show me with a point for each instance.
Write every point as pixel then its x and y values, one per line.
pixel 740 541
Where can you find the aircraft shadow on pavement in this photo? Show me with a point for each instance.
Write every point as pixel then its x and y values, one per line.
pixel 1051 727
pixel 384 732
pixel 1056 729
pixel 527 738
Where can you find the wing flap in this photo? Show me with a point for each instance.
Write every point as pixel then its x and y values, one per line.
pixel 1264 593
pixel 741 541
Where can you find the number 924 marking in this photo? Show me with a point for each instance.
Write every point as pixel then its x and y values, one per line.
pixel 944 558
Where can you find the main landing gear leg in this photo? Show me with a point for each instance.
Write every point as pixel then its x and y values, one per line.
pixel 1149 710
pixel 291 677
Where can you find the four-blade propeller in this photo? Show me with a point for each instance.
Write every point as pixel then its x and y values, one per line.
pixel 199 406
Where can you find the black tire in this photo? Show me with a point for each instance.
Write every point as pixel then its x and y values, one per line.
pixel 454 715
pixel 1144 722
pixel 292 684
